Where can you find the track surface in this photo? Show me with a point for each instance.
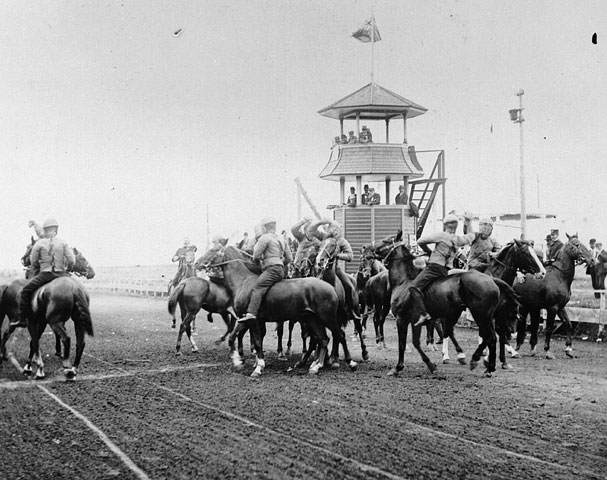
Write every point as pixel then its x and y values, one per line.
pixel 138 411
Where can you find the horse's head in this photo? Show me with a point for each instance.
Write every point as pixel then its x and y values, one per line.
pixel 326 254
pixel 525 258
pixel 211 257
pixel 576 250
pixel 393 248
pixel 82 267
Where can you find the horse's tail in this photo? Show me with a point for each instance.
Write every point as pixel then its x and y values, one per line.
pixel 174 298
pixel 81 304
pixel 507 312
pixel 2 308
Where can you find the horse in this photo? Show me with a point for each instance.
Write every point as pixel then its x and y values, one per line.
pixel 368 267
pixel 552 293
pixel 326 265
pixel 194 294
pixel 310 301
pixel 53 304
pixel 516 255
pixel 445 298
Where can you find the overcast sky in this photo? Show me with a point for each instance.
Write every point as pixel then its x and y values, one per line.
pixel 125 132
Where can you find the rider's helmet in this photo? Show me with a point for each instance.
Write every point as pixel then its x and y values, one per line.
pixel 50 222
pixel 451 219
pixel 219 239
pixel 186 241
pixel 267 220
pixel 485 226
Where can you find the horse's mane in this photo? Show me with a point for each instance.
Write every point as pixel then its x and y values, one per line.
pixel 232 253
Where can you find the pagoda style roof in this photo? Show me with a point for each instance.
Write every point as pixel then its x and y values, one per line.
pixel 373 161
pixel 372 102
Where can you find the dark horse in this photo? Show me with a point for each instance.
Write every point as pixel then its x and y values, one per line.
pixel 368 267
pixel 194 294
pixel 552 293
pixel 326 265
pixel 53 304
pixel 445 298
pixel 309 301
pixel 518 255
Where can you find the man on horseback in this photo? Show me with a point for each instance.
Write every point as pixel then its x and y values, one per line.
pixel 343 251
pixel 216 273
pixel 482 246
pixel 307 247
pixel 185 256
pixel 441 258
pixel 554 247
pixel 273 252
pixel 53 258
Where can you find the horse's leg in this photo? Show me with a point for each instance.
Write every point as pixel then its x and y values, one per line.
pixel 401 327
pixel 58 346
pixel 227 318
pixel 416 336
pixel 376 322
pixel 58 327
pixel 8 332
pixel 290 339
pixel 257 334
pixel 35 328
pixel 382 321
pixel 280 330
pixel 486 330
pixel 564 316
pixel 449 332
pixel 363 348
pixel 521 327
pixel 550 317
pixel 430 336
pixel 320 337
pixel 534 327
pixel 236 355
pixel 182 329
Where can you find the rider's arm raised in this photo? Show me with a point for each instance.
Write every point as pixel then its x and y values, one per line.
pixel 345 250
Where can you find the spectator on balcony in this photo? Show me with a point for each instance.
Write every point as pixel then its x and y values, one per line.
pixel 344 139
pixel 402 198
pixel 351 137
pixel 365 135
pixel 364 198
pixel 352 198
pixel 374 198
pixel 336 141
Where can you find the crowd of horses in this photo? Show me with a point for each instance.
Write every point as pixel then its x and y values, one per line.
pixel 319 302
pixel 496 299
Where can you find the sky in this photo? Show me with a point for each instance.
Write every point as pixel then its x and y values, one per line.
pixel 128 134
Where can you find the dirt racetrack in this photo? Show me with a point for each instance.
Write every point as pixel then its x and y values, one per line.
pixel 138 411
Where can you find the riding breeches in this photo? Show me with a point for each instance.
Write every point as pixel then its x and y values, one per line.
pixel 421 283
pixel 270 276
pixel 28 290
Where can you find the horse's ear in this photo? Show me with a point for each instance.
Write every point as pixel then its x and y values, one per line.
pixel 76 252
pixel 517 242
pixel 568 236
pixel 399 236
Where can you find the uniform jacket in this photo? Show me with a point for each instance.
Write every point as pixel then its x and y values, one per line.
pixel 479 250
pixel 271 249
pixel 52 255
pixel 446 246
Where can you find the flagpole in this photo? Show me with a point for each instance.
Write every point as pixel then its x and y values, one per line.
pixel 372 49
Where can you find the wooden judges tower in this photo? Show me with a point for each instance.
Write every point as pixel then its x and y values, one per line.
pixel 359 163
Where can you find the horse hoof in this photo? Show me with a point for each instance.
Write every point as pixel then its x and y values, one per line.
pixel 353 365
pixel 365 355
pixel 194 350
pixel 488 374
pixel 569 352
pixel 506 366
pixel 178 353
pixel 392 373
pixel 335 366
pixel 473 364
pixel 27 371
pixel 532 352
pixel 446 361
pixel 70 373
pixel 549 355
pixel 431 367
pixel 515 354
pixel 314 370
pixel 282 357
pixel 40 375
pixel 462 360
pixel 379 346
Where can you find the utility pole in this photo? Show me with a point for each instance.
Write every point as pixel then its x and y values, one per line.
pixel 516 115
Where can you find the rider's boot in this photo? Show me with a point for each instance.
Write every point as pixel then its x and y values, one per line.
pixel 247 317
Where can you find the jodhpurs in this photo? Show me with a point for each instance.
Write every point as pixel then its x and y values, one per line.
pixel 28 290
pixel 270 276
pixel 421 283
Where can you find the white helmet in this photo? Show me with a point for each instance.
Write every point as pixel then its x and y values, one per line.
pixel 267 220
pixel 486 220
pixel 485 226
pixel 451 218
pixel 218 238
pixel 50 222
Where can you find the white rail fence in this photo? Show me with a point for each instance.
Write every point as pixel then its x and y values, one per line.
pixel 132 287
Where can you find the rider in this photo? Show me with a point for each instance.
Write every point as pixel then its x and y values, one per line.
pixel 216 273
pixel 185 256
pixel 441 258
pixel 306 244
pixel 343 251
pixel 37 228
pixel 273 252
pixel 554 247
pixel 53 258
pixel 482 246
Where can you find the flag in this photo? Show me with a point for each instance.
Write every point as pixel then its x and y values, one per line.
pixel 368 32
